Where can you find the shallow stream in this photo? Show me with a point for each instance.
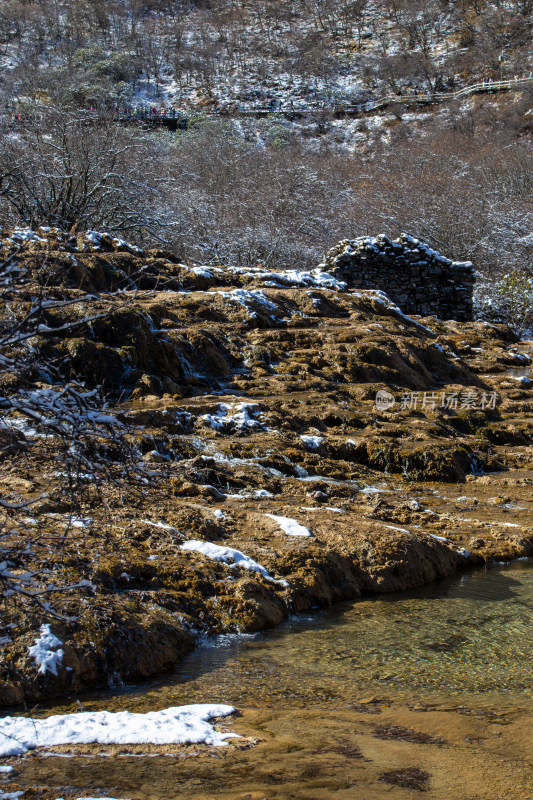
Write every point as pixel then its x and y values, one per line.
pixel 525 370
pixel 471 634
pixel 326 699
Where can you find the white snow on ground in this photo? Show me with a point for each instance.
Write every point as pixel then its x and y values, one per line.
pixel 12 795
pixel 382 299
pixel 45 651
pixel 290 526
pixel 161 525
pixel 395 528
pixel 6 769
pixel 312 442
pixel 238 415
pixel 248 298
pixel 229 556
pixel 323 508
pixel 80 522
pixel 464 552
pixel 293 277
pixel 256 494
pixel 176 725
pixel 439 538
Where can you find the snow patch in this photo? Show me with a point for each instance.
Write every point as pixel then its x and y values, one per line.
pixel 46 651
pixel 254 495
pixel 239 416
pixel 229 556
pixel 250 298
pixel 176 725
pixel 312 442
pixel 162 525
pixel 290 526
pixel 323 508
pixel 395 528
pixel 293 277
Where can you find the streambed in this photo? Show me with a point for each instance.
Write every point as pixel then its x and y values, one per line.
pixel 428 690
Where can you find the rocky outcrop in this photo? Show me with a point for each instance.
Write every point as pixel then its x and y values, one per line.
pixel 249 400
pixel 417 278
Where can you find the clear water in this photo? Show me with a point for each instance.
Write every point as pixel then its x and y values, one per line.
pixel 525 370
pixel 468 636
pixel 472 634
pixel 452 660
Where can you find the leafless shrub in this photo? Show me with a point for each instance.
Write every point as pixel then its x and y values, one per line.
pixel 63 434
pixel 78 171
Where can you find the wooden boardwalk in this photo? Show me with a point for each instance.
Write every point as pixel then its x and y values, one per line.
pixel 175 120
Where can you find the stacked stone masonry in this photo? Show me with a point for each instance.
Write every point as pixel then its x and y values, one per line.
pixel 415 277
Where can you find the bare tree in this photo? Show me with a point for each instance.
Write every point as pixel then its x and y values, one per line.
pixel 46 422
pixel 78 171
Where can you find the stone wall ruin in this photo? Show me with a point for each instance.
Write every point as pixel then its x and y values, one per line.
pixel 415 277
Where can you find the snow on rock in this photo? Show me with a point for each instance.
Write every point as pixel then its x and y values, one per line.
pixel 312 442
pixel 256 494
pixel 204 272
pixel 250 298
pixel 6 770
pixel 292 278
pixel 443 287
pixel 395 528
pixel 229 556
pixel 176 725
pixel 93 239
pixel 47 651
pixel 464 552
pixel 290 526
pixel 23 235
pixel 239 416
pixel 124 245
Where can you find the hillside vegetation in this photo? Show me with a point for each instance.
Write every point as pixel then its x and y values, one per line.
pixel 206 51
pixel 282 189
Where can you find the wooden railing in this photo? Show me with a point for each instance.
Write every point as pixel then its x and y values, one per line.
pixel 174 119
pixel 414 97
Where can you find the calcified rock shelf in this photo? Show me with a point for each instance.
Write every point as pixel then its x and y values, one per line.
pixel 251 399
